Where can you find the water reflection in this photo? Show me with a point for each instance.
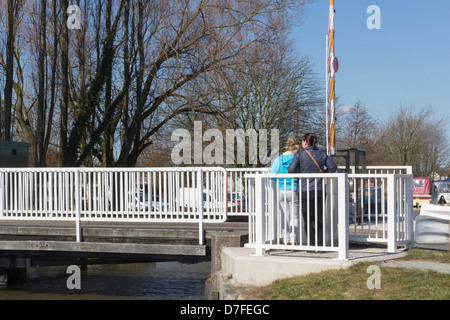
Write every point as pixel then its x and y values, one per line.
pixel 160 280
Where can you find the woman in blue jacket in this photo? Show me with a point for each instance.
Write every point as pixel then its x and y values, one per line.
pixel 287 195
pixel 312 160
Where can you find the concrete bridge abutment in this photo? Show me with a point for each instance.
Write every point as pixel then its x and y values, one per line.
pixel 219 241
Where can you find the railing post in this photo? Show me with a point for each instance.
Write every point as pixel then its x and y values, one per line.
pixel 343 224
pixel 77 204
pixel 260 215
pixel 250 198
pixel 392 215
pixel 200 205
pixel 272 207
pixel 409 204
pixel 2 194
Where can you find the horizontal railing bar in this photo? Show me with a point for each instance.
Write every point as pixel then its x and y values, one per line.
pixel 102 169
pixel 295 175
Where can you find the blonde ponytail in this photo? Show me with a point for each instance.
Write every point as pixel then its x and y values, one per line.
pixel 292 145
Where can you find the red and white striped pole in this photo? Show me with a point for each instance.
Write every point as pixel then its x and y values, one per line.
pixel 332 66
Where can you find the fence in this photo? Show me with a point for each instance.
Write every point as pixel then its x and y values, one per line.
pixel 238 196
pixel 123 194
pixel 381 209
pixel 313 217
pixel 388 170
pixel 373 208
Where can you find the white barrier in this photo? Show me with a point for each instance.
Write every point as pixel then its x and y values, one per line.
pixel 432 225
pixel 377 206
pixel 356 207
pixel 435 211
pixel 185 195
pixel 388 169
pixel 267 227
pixel 381 209
pixel 239 198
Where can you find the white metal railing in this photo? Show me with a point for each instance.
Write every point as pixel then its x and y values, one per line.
pixel 356 207
pixel 389 169
pixel 239 198
pixel 381 169
pixel 114 194
pixel 267 226
pixel 381 209
pixel 378 206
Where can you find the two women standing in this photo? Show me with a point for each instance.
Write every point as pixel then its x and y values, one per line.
pixel 308 160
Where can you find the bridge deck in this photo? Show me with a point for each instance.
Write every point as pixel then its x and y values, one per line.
pixel 35 241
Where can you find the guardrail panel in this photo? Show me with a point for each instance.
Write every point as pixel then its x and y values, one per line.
pixel 378 209
pixel 119 194
pixel 310 221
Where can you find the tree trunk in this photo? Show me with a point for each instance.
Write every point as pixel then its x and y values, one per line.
pixel 108 136
pixel 39 160
pixel 53 88
pixel 64 107
pixel 10 49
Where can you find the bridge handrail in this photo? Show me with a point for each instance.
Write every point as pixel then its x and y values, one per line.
pixel 185 195
pixel 389 221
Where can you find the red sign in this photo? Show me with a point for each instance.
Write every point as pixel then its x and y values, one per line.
pixel 335 64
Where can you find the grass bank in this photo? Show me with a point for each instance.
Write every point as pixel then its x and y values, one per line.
pixel 351 283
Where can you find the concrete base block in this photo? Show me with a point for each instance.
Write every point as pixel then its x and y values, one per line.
pixel 226 288
pixel 431 230
pixel 241 268
pixel 214 287
pixel 221 240
pixel 211 293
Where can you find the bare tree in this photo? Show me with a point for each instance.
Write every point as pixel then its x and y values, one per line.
pixel 358 129
pixel 13 9
pixel 64 104
pixel 266 87
pixel 88 107
pixel 41 110
pixel 416 138
pixel 34 88
pixel 113 85
pixel 185 41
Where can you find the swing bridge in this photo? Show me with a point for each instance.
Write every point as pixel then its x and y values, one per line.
pixel 171 212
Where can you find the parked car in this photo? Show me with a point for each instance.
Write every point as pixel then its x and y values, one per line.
pixel 187 198
pixel 441 192
pixel 421 191
pixel 139 202
pixel 236 199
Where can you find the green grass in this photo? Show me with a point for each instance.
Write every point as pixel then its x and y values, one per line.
pixel 351 283
pixel 428 255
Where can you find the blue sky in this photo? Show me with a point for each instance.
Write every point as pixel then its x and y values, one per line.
pixel 406 62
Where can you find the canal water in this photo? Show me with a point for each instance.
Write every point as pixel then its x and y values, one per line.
pixel 137 281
